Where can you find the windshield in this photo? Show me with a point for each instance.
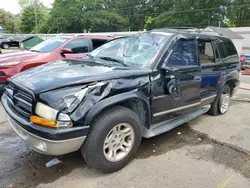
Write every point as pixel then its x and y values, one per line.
pixel 49 45
pixel 139 50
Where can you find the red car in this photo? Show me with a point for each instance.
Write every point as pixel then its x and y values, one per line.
pixel 50 50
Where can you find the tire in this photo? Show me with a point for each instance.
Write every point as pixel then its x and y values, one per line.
pixel 216 107
pixel 103 131
pixel 6 46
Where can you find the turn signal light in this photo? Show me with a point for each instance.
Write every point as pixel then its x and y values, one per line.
pixel 43 122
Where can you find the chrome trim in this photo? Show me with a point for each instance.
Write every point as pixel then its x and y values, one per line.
pixel 159 97
pixel 207 98
pixel 176 109
pixel 45 146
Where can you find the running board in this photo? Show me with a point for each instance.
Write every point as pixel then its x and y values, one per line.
pixel 165 126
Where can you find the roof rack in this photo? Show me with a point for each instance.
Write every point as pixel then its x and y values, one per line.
pixel 179 28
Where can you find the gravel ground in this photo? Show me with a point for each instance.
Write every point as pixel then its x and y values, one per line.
pixel 206 152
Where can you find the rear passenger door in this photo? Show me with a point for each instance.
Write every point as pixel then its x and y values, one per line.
pixel 79 47
pixel 212 69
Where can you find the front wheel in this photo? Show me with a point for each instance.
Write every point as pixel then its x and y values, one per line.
pixel 113 139
pixel 6 46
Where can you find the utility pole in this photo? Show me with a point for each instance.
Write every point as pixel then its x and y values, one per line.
pixel 36 15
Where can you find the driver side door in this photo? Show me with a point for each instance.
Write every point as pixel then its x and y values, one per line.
pixel 176 86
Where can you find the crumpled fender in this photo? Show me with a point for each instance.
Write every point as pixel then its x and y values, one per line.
pixel 109 93
pixel 100 106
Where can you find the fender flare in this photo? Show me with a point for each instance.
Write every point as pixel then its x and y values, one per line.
pixel 105 103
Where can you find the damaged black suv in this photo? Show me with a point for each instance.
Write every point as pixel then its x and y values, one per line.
pixel 129 88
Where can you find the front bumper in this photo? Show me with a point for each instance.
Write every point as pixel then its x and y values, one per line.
pixel 44 140
pixel 45 146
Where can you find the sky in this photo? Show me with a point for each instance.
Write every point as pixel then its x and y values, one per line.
pixel 13 6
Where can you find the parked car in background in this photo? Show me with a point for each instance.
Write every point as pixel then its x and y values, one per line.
pixel 129 88
pixel 10 42
pixel 50 50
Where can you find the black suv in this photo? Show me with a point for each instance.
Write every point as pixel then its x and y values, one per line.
pixel 129 88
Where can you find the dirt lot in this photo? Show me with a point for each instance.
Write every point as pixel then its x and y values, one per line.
pixel 206 152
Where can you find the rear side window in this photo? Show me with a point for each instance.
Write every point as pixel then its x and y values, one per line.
pixel 183 53
pixel 226 48
pixel 79 45
pixel 98 42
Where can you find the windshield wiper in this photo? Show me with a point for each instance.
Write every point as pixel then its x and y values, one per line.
pixel 114 59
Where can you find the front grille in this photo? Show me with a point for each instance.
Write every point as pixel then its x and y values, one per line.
pixel 19 99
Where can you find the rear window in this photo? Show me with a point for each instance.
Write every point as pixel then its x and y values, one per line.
pixel 226 48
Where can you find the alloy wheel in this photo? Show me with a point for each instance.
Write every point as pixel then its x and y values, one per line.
pixel 224 102
pixel 118 142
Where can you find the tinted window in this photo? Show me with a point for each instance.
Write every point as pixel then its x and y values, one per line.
pixel 226 48
pixel 183 53
pixel 79 45
pixel 98 42
pixel 206 52
pixel 49 45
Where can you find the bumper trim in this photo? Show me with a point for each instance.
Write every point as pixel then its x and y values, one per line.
pixel 45 146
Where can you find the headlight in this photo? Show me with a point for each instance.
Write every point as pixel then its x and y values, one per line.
pixel 10 63
pixel 46 112
pixel 49 117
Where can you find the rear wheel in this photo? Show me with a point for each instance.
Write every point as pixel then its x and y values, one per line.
pixel 222 102
pixel 113 139
pixel 6 46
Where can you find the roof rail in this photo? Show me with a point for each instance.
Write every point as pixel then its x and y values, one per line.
pixel 179 28
pixel 208 32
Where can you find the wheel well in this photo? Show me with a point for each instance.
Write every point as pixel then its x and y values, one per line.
pixel 138 106
pixel 231 84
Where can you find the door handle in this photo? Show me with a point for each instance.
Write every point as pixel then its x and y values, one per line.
pixel 198 78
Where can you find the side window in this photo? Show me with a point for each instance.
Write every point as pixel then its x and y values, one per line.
pixel 206 52
pixel 98 42
pixel 183 53
pixel 226 48
pixel 79 46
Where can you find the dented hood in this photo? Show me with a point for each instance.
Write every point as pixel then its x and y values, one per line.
pixel 67 72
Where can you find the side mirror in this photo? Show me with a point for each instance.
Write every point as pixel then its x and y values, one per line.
pixel 66 51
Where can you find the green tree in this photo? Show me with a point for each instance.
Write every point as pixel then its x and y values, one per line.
pixel 239 13
pixel 28 18
pixel 84 15
pixel 192 13
pixel 9 22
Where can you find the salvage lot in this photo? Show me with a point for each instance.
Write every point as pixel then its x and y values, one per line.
pixel 206 152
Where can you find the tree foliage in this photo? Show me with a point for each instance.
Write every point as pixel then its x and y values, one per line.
pixel 124 15
pixel 9 22
pixel 79 16
pixel 28 20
